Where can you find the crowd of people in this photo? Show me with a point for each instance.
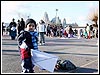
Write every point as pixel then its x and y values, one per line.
pixel 52 30
pixel 89 32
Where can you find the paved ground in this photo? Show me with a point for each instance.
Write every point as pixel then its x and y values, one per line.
pixel 82 52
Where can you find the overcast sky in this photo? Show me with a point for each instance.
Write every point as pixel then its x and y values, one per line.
pixel 72 11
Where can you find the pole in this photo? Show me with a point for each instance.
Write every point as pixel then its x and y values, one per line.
pixel 56 16
pixel 56 12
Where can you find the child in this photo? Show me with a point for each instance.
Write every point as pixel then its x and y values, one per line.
pixel 27 41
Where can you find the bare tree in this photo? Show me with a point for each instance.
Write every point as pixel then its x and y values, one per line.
pixel 93 16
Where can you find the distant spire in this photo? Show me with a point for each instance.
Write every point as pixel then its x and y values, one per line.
pixel 64 22
pixel 46 18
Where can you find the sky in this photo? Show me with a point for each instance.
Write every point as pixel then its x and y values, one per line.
pixel 72 11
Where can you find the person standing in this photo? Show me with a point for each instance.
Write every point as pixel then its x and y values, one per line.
pixel 2 27
pixel 85 33
pixel 67 29
pixel 18 26
pixel 91 31
pixel 41 30
pixel 48 30
pixel 28 41
pixel 22 22
pixel 13 31
pixel 21 25
pixel 88 30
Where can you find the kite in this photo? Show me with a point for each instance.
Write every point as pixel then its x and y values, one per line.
pixel 44 60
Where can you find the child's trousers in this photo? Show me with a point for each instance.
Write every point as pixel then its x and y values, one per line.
pixel 27 66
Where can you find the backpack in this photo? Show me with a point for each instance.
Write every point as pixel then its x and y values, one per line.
pixel 65 65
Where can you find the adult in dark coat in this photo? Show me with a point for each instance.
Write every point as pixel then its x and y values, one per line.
pixel 22 22
pixel 18 26
pixel 13 31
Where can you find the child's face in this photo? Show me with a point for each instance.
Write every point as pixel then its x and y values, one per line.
pixel 31 27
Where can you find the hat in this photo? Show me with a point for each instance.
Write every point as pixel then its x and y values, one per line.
pixel 30 21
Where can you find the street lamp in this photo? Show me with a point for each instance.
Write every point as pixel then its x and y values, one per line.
pixel 56 12
pixel 56 16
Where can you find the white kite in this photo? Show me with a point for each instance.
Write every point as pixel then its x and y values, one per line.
pixel 44 60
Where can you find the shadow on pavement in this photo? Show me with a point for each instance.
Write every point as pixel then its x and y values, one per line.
pixel 78 70
pixel 70 53
pixel 10 44
pixel 85 45
pixel 10 50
